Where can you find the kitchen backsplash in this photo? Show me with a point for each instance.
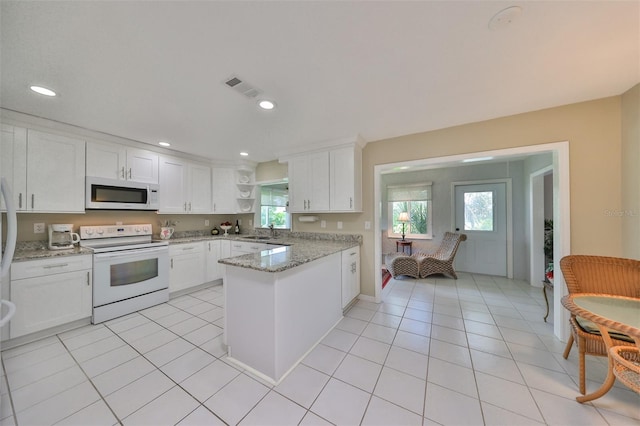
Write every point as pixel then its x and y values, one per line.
pixel 185 223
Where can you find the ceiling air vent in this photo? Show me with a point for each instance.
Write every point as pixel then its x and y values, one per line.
pixel 242 87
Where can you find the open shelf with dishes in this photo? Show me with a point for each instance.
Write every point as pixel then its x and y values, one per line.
pixel 245 193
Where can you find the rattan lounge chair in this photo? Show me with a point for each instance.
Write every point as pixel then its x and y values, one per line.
pixel 441 262
pixel 597 274
pixel 626 365
pixel 401 264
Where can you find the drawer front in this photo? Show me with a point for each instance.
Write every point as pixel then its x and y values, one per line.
pixel 179 249
pixel 43 267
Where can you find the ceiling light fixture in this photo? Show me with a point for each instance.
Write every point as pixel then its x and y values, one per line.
pixel 473 160
pixel 266 104
pixel 244 154
pixel 164 143
pixel 43 90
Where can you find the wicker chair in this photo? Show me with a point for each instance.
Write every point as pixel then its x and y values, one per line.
pixel 400 264
pixel 626 365
pixel 597 274
pixel 441 262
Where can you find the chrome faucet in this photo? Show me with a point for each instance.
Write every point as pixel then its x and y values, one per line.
pixel 272 231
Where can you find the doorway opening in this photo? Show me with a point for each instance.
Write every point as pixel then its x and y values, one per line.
pixel 561 209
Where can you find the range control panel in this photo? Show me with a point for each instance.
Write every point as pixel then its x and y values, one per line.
pixel 114 231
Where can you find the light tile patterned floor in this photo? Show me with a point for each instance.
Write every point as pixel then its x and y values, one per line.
pixel 436 351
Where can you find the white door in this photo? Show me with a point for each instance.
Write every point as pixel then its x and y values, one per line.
pixel 481 214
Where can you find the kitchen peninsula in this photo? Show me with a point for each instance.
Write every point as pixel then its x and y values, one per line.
pixel 280 302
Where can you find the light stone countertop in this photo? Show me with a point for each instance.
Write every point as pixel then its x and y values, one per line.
pixel 299 248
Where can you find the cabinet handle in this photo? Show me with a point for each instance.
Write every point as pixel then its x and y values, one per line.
pixel 189 205
pixel 188 248
pixel 20 200
pixel 214 207
pixel 209 246
pixel 184 206
pixel 352 254
pixel 122 172
pixel 350 202
pixel 309 204
pixel 353 268
pixel 88 281
pixel 171 263
pixel 129 172
pixel 33 197
pixel 57 265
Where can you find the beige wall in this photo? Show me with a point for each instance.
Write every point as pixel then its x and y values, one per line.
pixel 593 131
pixel 631 173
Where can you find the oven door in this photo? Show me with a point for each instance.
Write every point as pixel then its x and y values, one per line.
pixel 120 275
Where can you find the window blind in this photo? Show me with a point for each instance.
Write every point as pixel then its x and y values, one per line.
pixel 274 197
pixel 415 192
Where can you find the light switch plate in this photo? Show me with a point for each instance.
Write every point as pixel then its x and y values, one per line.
pixel 323 224
pixel 367 224
pixel 206 222
pixel 339 225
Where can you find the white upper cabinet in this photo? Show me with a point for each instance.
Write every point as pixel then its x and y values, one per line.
pixel 223 190
pixel 13 164
pixel 327 180
pixel 184 187
pixel 346 179
pixel 115 161
pixel 45 171
pixel 309 183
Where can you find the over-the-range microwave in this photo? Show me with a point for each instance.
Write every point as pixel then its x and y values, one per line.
pixel 113 194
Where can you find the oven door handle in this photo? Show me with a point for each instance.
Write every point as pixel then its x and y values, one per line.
pixel 126 253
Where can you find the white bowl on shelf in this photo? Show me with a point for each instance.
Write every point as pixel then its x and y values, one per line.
pixel 243 179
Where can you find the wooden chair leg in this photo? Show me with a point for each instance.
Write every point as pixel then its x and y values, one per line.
pixel 567 349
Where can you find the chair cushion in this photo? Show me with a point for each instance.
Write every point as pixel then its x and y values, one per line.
pixel 591 327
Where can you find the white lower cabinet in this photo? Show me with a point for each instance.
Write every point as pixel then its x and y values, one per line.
pixel 187 266
pixel 212 255
pixel 243 247
pixel 49 293
pixel 350 275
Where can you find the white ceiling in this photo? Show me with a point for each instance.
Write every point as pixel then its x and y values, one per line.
pixel 152 71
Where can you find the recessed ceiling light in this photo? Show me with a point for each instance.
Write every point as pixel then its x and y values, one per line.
pixel 164 143
pixel 244 154
pixel 266 104
pixel 43 90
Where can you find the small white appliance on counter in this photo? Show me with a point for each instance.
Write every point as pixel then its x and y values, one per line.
pixel 62 237
pixel 130 270
pixel 7 308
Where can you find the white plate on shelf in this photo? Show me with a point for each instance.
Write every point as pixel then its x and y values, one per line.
pixel 245 194
pixel 243 179
pixel 245 208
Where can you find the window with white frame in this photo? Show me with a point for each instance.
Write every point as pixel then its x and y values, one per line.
pixel 274 200
pixel 415 200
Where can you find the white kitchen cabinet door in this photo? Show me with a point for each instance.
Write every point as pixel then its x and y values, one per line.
pixel 350 275
pixel 309 183
pixel 173 185
pixel 223 190
pixel 107 160
pixel 346 179
pixel 199 189
pixel 13 164
pixel 225 249
pixel 142 166
pixel 187 266
pixel 244 247
pixel 212 255
pixel 51 300
pixel 55 173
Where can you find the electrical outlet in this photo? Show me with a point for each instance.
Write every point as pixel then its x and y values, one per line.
pixel 38 228
pixel 339 225
pixel 206 222
pixel 367 224
pixel 250 223
pixel 323 224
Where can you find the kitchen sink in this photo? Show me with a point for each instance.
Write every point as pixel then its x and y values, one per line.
pixel 257 237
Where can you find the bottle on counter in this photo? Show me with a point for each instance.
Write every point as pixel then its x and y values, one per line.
pixel 237 228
